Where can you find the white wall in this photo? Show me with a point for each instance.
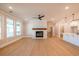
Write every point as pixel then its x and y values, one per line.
pixel 28 28
pixel 57 28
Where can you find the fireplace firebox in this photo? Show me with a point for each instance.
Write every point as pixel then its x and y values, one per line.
pixel 39 33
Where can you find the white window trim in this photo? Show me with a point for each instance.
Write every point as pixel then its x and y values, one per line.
pixel 2 25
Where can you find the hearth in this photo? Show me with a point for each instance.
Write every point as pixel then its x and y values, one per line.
pixel 39 33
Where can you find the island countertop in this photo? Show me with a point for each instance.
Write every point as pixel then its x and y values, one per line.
pixel 72 38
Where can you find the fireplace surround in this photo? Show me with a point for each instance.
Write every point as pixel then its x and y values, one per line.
pixel 39 33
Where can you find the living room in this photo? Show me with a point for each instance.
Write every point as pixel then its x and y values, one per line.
pixel 38 29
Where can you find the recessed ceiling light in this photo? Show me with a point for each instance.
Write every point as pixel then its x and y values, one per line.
pixel 66 8
pixel 10 7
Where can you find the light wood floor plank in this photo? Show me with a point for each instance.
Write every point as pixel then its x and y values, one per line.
pixel 43 47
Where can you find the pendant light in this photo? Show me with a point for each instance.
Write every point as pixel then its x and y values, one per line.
pixel 73 16
pixel 74 21
pixel 65 19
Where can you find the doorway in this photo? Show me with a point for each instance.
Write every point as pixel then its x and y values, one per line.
pixel 61 31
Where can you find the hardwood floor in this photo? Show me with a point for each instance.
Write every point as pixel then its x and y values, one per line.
pixel 48 47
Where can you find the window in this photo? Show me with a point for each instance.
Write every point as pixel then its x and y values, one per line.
pixel 0 27
pixel 18 28
pixel 10 31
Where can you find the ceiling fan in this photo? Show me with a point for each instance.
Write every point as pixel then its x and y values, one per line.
pixel 39 17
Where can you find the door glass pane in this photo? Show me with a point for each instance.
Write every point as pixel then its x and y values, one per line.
pixel 0 27
pixel 18 28
pixel 9 27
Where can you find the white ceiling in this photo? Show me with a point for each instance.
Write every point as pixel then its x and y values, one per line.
pixel 52 11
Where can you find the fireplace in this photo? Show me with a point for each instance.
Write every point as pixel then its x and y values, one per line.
pixel 39 33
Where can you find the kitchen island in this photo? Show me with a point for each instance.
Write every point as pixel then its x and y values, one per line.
pixel 71 38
